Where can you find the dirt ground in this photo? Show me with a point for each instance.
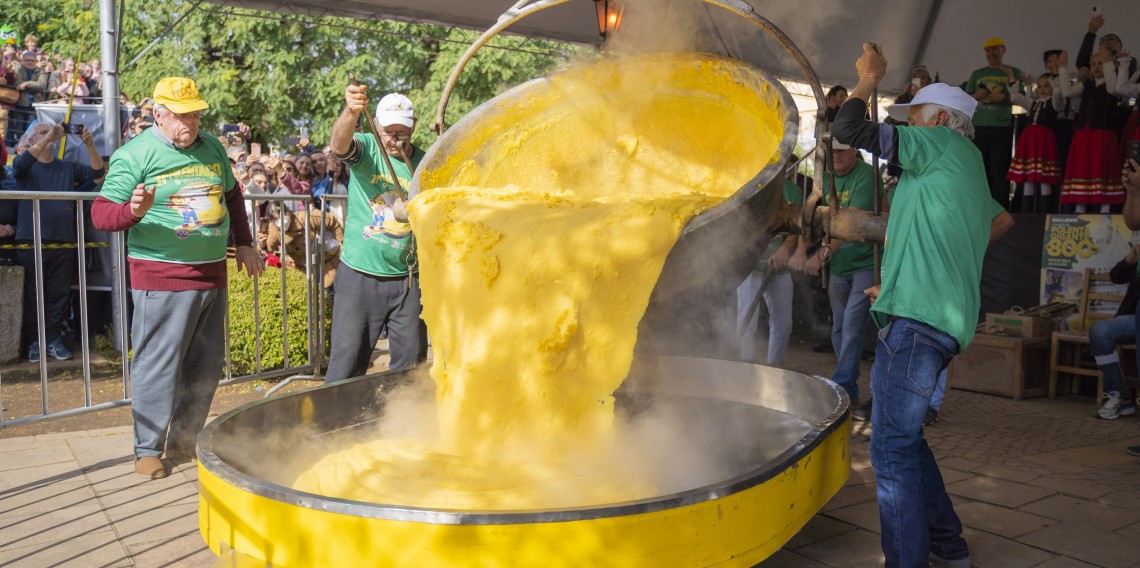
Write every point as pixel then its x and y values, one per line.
pixel 20 387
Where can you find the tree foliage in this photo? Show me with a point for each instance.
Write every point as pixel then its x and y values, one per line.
pixel 278 73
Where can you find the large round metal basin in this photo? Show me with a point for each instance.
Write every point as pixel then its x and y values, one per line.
pixel 782 439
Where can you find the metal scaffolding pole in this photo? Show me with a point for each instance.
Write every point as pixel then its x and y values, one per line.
pixel 112 133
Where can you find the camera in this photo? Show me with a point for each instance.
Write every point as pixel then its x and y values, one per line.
pixel 72 128
pixel 1134 151
pixel 227 128
pixel 136 112
pixel 292 140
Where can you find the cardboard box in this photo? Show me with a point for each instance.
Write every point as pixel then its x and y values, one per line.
pixel 1021 326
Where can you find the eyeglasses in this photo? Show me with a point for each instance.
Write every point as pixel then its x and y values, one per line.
pixel 187 116
pixel 402 137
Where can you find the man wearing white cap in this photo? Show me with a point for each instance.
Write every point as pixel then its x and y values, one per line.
pixel 377 284
pixel 942 219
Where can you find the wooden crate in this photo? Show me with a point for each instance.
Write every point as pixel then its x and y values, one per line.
pixel 1016 367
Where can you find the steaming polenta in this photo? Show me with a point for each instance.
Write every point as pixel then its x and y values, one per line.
pixel 539 246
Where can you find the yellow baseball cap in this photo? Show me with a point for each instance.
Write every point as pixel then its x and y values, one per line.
pixel 179 94
pixel 993 42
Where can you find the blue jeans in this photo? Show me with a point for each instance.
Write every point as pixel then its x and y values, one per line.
pixel 915 512
pixel 1104 336
pixel 850 312
pixel 939 392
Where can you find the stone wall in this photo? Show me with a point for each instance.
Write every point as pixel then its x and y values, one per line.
pixel 11 311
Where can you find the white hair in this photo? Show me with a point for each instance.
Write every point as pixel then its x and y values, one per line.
pixel 956 120
pixel 156 107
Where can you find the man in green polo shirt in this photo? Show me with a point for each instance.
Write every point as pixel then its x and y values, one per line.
pixel 377 284
pixel 942 220
pixel 852 267
pixel 993 120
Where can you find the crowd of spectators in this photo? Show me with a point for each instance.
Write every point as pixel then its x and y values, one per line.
pixel 301 170
pixel 29 74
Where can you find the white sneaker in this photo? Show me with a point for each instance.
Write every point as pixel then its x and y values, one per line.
pixel 1115 406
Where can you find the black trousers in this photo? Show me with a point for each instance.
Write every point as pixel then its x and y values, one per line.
pixel 996 145
pixel 60 266
pixel 365 305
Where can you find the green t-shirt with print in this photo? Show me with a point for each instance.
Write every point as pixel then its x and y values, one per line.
pixel 189 221
pixel 937 233
pixel 374 243
pixel 997 81
pixel 793 195
pixel 853 190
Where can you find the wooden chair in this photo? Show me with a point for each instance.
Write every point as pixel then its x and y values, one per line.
pixel 1069 347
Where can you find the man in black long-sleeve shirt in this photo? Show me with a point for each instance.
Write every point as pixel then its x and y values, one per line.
pixel 37 169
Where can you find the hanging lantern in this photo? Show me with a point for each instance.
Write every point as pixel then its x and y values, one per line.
pixel 609 16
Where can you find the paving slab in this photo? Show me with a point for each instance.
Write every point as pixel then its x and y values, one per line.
pixel 52 526
pixel 864 515
pixel 849 496
pixel 789 559
pixel 1000 521
pixel 156 493
pixel 998 491
pixel 1020 475
pixel 1070 485
pixel 960 463
pixel 23 478
pixel 820 527
pixel 36 499
pixel 36 455
pixel 993 551
pixel 155 524
pixel 1092 514
pixel 951 475
pixel 81 551
pixel 852 549
pixel 182 552
pixel 1064 562
pixel 1078 540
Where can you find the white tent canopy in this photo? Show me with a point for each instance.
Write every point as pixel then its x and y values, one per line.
pixel 945 35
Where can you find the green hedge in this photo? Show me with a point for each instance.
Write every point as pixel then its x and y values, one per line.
pixel 243 346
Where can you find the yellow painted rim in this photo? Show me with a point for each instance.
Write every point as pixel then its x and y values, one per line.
pixel 738 529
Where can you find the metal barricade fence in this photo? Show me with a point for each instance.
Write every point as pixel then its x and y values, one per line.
pixel 315 306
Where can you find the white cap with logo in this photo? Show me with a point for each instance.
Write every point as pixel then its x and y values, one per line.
pixel 395 108
pixel 943 94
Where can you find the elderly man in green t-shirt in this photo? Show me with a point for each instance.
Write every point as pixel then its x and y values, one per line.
pixel 377 284
pixel 171 188
pixel 942 219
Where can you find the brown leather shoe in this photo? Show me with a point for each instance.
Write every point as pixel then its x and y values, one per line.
pixel 151 467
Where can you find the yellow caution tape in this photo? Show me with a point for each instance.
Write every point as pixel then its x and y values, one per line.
pixel 53 246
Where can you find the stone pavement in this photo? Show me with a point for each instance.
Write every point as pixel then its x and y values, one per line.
pixel 1036 482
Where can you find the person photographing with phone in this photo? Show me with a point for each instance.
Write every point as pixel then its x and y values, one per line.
pixel 37 169
pixel 172 189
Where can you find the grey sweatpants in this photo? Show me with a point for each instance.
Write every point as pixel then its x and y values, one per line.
pixel 179 342
pixel 364 305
